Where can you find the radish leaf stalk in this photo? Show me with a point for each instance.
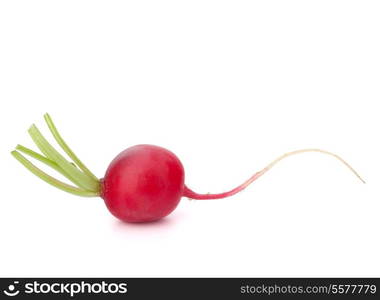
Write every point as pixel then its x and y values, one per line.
pixel 86 183
pixel 79 178
pixel 51 180
pixel 44 160
pixel 66 148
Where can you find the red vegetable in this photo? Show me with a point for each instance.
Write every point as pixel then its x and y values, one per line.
pixel 143 183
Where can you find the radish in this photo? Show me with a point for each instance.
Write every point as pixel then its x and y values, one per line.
pixel 143 183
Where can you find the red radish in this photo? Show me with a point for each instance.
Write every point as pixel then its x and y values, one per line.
pixel 143 183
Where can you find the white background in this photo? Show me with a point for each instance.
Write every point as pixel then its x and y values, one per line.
pixel 227 86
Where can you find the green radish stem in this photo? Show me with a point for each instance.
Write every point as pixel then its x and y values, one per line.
pixel 81 179
pixel 87 184
pixel 44 160
pixel 40 158
pixel 66 148
pixel 51 180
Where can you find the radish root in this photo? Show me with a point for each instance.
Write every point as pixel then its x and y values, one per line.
pixel 193 195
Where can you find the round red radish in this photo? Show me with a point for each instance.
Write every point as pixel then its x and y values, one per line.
pixel 143 183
